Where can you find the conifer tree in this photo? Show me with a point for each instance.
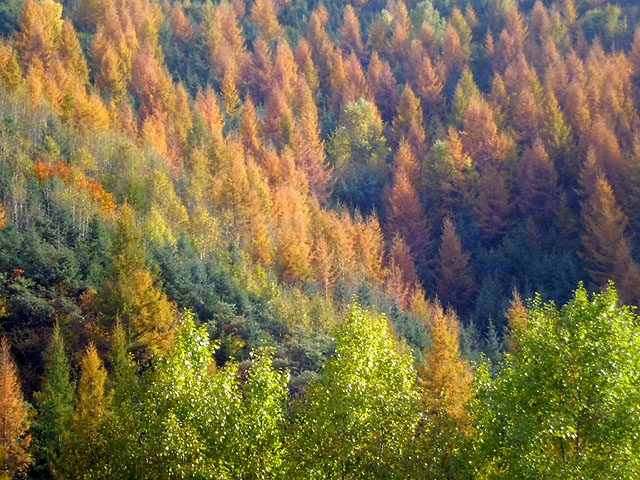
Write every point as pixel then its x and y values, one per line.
pixel 350 36
pixel 15 457
pixel 55 403
pixel 429 87
pixel 383 85
pixel 408 123
pixel 38 33
pixel 85 448
pixel 263 13
pixel 310 157
pixel 492 206
pixel 464 92
pixel 453 53
pixel 517 317
pixel 3 216
pixel 405 214
pixel 445 388
pixel 128 293
pixel 401 256
pixel 454 279
pixel 539 194
pixel 487 146
pixel 634 55
pixel 70 52
pixel 606 249
pixel 10 72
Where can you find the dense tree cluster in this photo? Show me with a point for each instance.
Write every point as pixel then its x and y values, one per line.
pixel 193 193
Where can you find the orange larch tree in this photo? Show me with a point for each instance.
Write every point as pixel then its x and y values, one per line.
pixel 309 152
pixel 400 256
pixel 482 140
pixel 539 193
pixel 350 36
pixel 492 205
pixel 606 249
pixel 408 124
pixel 14 418
pixel 454 278
pixel 383 86
pixel 264 14
pixel 429 87
pixel 405 214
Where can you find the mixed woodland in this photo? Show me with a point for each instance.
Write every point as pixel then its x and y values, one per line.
pixel 282 239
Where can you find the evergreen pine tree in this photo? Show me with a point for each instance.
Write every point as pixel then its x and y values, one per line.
pixel 55 404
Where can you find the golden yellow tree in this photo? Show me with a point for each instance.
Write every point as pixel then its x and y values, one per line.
pixel 14 418
pixel 445 380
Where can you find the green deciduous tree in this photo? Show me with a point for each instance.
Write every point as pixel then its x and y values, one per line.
pixel 359 419
pixel 565 404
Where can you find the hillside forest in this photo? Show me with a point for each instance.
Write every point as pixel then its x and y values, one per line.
pixel 287 239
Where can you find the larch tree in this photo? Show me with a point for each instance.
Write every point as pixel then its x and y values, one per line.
pixel 487 146
pixel 402 277
pixel 85 448
pixel 309 153
pixel 400 255
pixel 3 216
pixel 454 278
pixel 350 36
pixel 15 418
pixel 264 14
pixel 10 71
pixel 406 216
pixel 445 389
pixel 606 249
pixel 400 37
pixel 129 293
pixel 408 124
pixel 634 55
pixel 305 63
pixel 293 249
pixel 454 54
pixel 39 32
pixel 71 54
pixel 518 318
pixel 429 87
pixel 321 46
pixel 492 205
pixel 206 104
pixel 466 89
pixel 383 86
pixel 539 193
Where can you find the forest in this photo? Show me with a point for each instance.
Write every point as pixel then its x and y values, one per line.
pixel 288 239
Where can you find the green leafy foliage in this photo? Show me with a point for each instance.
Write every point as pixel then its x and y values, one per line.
pixel 565 404
pixel 357 421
